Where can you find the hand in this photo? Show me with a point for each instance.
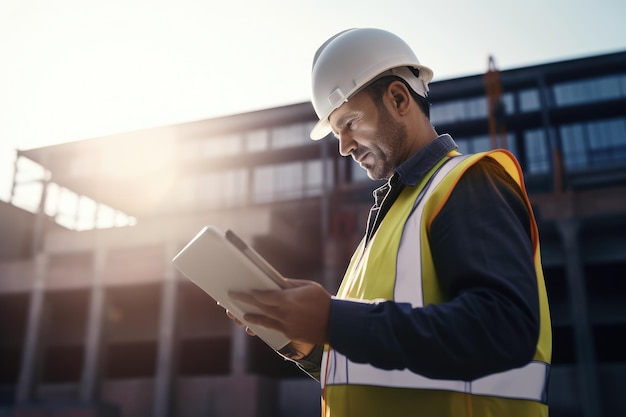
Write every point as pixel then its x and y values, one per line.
pixel 300 311
pixel 301 349
pixel 238 322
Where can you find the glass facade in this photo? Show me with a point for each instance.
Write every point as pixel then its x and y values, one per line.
pixel 287 181
pixel 296 134
pixel 529 100
pixel 473 145
pixel 537 151
pixel 225 145
pixel 257 140
pixel 459 110
pixel 597 144
pixel 64 206
pixel 585 145
pixel 256 184
pixel 79 212
pixel 590 90
pixel 466 109
pixel 221 189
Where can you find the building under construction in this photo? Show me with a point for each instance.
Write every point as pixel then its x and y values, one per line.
pixel 95 321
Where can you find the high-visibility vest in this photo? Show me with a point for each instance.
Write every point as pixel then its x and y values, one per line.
pixel 388 268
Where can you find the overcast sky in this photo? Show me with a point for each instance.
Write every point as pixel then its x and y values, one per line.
pixel 77 69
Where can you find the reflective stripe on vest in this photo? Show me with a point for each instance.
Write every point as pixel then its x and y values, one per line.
pixel 528 382
pixel 409 289
pixel 520 383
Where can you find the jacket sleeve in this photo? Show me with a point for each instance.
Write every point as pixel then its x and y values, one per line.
pixel 483 254
pixel 311 363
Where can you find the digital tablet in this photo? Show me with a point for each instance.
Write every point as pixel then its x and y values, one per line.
pixel 220 262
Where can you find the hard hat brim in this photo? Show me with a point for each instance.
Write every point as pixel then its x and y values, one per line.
pixel 321 129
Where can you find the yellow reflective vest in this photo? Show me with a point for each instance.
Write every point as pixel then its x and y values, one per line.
pixel 361 390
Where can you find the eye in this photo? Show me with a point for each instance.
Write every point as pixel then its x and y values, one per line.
pixel 350 124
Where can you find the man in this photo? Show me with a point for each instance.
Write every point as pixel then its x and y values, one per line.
pixel 443 309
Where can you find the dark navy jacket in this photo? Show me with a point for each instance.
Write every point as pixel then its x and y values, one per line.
pixel 483 255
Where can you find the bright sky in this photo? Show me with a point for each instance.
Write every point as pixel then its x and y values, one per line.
pixel 77 69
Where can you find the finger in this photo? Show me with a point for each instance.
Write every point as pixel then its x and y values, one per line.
pixel 268 298
pixel 238 322
pixel 245 297
pixel 264 321
pixel 292 283
pixel 266 301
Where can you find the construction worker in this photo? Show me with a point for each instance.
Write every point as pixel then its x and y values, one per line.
pixel 443 308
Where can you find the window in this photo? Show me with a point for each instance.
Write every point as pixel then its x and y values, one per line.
pixel 465 146
pixel 508 101
pixel 86 213
pixel 482 143
pixel 468 109
pixel 314 177
pixel 29 179
pixel 278 182
pixel 79 212
pixel 66 209
pixel 607 141
pixel 574 147
pixel 222 189
pixel 537 154
pixel 529 100
pixel 590 90
pixel 447 112
pixel 263 186
pixel 7 161
pixel 290 135
pixel 212 147
pixel 358 174
pixel 288 181
pixel 256 140
pixel 594 144
pixel 106 217
pixel 476 108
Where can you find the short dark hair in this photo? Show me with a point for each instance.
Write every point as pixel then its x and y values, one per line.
pixel 379 86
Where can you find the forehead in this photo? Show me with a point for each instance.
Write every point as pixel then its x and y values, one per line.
pixel 360 102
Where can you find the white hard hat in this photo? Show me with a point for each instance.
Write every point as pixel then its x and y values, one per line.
pixel 350 60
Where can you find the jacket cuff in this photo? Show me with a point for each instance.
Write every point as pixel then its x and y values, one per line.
pixel 348 323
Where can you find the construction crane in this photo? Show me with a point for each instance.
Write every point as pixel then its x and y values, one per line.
pixel 495 106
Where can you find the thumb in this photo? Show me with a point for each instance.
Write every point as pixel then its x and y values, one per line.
pixel 294 283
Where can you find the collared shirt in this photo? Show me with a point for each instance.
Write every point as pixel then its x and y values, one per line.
pixel 409 173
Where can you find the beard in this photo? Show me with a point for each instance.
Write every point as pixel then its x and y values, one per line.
pixel 387 150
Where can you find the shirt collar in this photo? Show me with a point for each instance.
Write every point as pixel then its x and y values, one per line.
pixel 411 171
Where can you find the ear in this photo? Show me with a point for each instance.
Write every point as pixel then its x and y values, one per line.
pixel 399 97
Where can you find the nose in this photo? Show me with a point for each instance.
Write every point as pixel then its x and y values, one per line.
pixel 347 144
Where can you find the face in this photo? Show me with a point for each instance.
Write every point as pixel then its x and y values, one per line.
pixel 370 135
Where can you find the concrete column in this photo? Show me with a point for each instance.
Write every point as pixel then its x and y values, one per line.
pixel 164 379
pixel 239 358
pixel 29 371
pixel 587 374
pixel 95 332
